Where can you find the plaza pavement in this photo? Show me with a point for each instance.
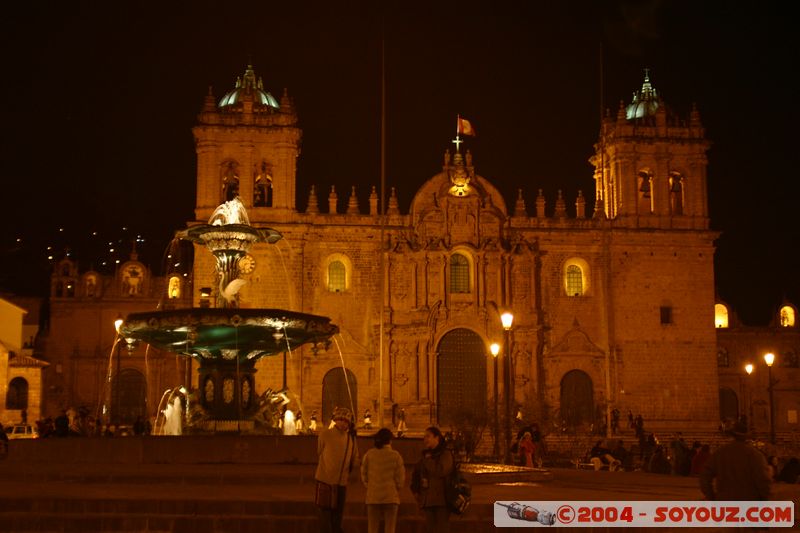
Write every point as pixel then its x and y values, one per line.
pixel 237 498
pixel 249 484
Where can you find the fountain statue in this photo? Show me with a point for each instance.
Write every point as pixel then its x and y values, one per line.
pixel 227 340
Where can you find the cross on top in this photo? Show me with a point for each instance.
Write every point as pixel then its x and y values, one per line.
pixel 457 141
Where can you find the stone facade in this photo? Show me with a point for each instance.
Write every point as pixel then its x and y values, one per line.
pixel 85 360
pixel 747 394
pixel 20 371
pixel 613 303
pixel 624 296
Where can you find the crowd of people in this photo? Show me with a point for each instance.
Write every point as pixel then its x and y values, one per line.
pixel 382 472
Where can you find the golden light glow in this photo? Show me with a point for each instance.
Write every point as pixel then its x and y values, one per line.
pixel 787 316
pixel 720 316
pixel 174 290
pixel 769 358
pixel 118 323
pixel 507 319
pixel 748 368
pixel 494 348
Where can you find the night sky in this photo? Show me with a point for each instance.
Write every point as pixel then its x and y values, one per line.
pixel 100 98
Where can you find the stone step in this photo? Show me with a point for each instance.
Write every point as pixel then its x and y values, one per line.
pixel 44 523
pixel 210 517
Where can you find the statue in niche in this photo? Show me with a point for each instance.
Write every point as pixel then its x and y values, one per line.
pixel 91 286
pixel 132 278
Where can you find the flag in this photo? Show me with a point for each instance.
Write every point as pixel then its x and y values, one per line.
pixel 464 127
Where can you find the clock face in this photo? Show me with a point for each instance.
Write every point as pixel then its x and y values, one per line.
pixel 247 264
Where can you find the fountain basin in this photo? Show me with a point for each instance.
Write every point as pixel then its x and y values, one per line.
pixel 228 334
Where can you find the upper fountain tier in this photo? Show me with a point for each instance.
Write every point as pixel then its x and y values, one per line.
pixel 228 333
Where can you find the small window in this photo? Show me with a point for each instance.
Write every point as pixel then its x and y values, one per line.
pixel 459 274
pixel 787 316
pixel 574 280
pixel 720 316
pixel 666 314
pixel 337 276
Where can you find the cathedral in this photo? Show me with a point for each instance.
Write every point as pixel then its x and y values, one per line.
pixel 611 305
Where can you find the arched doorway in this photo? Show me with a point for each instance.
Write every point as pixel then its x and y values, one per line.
pixel 461 376
pixel 17 394
pixel 577 399
pixel 129 400
pixel 728 404
pixel 335 392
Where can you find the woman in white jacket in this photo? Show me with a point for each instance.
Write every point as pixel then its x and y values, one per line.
pixel 383 473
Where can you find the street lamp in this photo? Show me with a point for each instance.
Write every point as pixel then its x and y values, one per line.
pixel 769 358
pixel 507 319
pixel 749 369
pixel 117 324
pixel 495 350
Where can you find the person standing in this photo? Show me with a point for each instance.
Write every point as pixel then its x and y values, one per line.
pixel 383 474
pixel 367 419
pixel 312 424
pixel 338 456
pixel 736 471
pixel 3 442
pixel 430 479
pixel 526 450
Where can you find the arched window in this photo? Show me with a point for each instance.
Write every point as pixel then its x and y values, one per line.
pixel 174 290
pixel 645 183
pixel 262 186
pixel 17 394
pixel 676 199
pixel 574 280
pixel 576 277
pixel 459 274
pixel 787 316
pixel 230 180
pixel 720 316
pixel 337 276
pixel 336 271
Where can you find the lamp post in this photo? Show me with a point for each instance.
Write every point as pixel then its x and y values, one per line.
pixel 769 358
pixel 117 324
pixel 495 350
pixel 507 319
pixel 749 369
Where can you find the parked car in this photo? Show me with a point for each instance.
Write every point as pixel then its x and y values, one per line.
pixel 22 431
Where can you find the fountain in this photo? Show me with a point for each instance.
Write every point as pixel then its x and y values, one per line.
pixel 227 340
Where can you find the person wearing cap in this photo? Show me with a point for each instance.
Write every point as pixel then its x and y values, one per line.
pixel 383 474
pixel 338 456
pixel 736 471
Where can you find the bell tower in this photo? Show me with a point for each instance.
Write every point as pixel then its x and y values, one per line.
pixel 650 165
pixel 247 146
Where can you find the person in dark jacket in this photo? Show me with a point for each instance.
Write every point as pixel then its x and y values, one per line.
pixel 430 481
pixel 736 471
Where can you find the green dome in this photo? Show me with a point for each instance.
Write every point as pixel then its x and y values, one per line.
pixel 247 86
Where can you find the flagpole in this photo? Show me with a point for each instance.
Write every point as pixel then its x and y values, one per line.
pixel 383 227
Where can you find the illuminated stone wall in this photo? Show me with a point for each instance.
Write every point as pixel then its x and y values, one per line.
pixel 81 336
pixel 635 264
